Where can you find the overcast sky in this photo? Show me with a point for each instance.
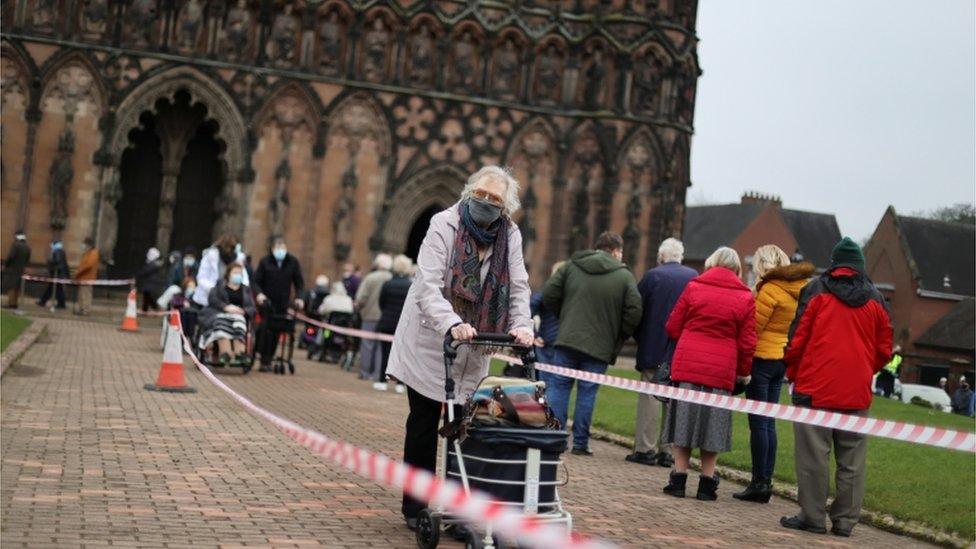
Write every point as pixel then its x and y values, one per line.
pixel 842 106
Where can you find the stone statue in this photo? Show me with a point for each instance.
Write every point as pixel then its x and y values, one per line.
pixel 683 86
pixel 331 36
pixel 376 46
pixel 548 75
pixel 281 47
pixel 595 75
pixel 61 176
pixel 278 208
pixel 465 62
pixel 190 24
pixel 237 33
pixel 505 78
pixel 42 14
pixel 141 16
pixel 647 85
pixel 422 57
pixel 94 16
pixel 342 223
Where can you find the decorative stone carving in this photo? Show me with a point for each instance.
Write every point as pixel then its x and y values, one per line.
pixel 464 63
pixel 278 207
pixel 414 119
pixel 71 90
pixel 420 59
pixel 13 85
pixel 449 143
pixel 251 89
pixel 191 23
pixel 586 158
pixel 121 70
pixel 595 83
pixel 237 31
pixel 94 18
pixel 140 19
pixel 631 232
pixel 683 93
pixel 648 79
pixel 506 78
pixel 43 13
pixel 345 206
pixel 61 175
pixel 281 48
pixel 376 52
pixel 548 76
pixel 332 37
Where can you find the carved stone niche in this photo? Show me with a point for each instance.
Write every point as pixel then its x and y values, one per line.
pixel 594 89
pixel 281 48
pixel 238 34
pixel 464 61
pixel 94 19
pixel 650 68
pixel 505 80
pixel 547 81
pixel 190 26
pixel 140 23
pixel 376 51
pixel 421 63
pixel 331 44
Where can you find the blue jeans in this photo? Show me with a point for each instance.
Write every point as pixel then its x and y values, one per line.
pixel 559 387
pixel 767 380
pixel 545 355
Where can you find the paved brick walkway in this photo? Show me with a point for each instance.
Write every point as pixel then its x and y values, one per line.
pixel 91 459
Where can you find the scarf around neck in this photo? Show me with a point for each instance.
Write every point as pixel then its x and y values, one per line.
pixel 481 303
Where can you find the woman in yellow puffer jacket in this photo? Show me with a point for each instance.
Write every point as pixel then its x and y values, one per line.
pixel 777 293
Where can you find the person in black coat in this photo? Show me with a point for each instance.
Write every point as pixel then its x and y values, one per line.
pixel 276 275
pixel 57 267
pixel 17 259
pixel 150 279
pixel 393 294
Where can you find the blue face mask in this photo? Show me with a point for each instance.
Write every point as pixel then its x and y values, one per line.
pixel 56 246
pixel 236 278
pixel 188 261
pixel 189 291
pixel 280 253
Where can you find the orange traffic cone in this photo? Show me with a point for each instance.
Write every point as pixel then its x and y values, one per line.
pixel 129 322
pixel 171 373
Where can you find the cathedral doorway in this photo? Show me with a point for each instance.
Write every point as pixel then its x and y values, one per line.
pixel 419 230
pixel 171 175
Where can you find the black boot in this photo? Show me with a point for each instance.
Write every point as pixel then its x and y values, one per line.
pixel 676 484
pixel 758 491
pixel 707 486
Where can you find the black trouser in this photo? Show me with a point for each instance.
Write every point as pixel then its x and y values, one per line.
pixel 267 343
pixel 57 290
pixel 386 346
pixel 420 443
pixel 886 383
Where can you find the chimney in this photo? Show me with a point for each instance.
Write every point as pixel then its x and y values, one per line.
pixel 753 197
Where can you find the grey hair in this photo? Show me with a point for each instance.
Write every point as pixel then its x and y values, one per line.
pixel 512 203
pixel 725 257
pixel 383 262
pixel 402 265
pixel 670 250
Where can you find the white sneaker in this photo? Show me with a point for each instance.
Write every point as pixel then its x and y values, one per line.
pixel 401 388
pixel 379 386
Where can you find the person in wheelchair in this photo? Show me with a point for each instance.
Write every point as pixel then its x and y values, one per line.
pixel 224 321
pixel 313 300
pixel 337 309
pixel 183 302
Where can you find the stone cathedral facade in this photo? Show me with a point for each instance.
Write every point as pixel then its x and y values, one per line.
pixel 341 124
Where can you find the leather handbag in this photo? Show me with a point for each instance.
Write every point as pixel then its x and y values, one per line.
pixel 511 402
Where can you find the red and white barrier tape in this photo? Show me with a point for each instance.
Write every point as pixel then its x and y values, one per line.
pixel 352 332
pixel 475 507
pixel 895 430
pixel 73 282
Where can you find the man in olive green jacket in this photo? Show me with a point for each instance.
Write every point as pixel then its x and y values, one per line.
pixel 595 297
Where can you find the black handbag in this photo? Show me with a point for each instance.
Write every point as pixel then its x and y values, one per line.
pixel 662 374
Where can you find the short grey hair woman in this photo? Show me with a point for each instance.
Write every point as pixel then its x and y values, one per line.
pixel 470 278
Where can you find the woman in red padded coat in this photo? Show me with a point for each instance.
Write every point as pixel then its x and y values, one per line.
pixel 714 323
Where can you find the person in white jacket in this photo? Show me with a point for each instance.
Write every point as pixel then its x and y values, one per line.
pixel 213 263
pixel 338 301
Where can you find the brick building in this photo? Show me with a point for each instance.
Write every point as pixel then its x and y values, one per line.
pixel 757 220
pixel 927 271
pixel 342 125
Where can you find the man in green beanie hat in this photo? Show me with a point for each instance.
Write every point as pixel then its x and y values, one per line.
pixel 841 336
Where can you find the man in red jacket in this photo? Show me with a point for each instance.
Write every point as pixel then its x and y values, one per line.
pixel 840 337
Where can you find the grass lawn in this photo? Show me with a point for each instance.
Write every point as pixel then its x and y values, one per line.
pixel 909 481
pixel 10 328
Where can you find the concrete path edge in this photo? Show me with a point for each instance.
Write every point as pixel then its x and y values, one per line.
pixel 19 346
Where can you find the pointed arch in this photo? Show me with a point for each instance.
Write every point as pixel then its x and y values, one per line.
pixel 635 136
pixel 291 103
pixel 19 74
pixel 220 106
pixel 345 114
pixel 434 186
pixel 65 58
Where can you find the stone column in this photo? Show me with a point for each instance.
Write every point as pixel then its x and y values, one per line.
pixel 33 116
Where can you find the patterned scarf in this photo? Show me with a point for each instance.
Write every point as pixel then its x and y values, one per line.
pixel 483 304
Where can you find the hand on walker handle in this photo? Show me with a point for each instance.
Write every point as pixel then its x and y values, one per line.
pixel 523 336
pixel 261 298
pixel 463 332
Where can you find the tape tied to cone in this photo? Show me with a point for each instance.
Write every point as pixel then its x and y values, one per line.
pixel 130 322
pixel 171 377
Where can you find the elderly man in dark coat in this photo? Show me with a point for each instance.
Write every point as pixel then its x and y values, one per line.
pixel 659 289
pixel 14 265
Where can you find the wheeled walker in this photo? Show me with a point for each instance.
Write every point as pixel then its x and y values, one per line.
pixel 516 466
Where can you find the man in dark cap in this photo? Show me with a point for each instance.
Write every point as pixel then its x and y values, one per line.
pixel 17 258
pixel 840 337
